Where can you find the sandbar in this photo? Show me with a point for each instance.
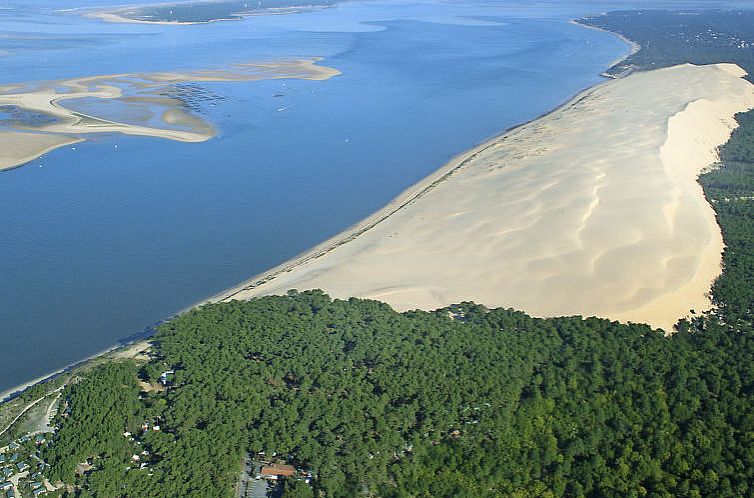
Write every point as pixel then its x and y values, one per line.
pixel 140 94
pixel 592 210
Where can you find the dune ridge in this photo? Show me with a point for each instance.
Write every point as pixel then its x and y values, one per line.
pixel 593 209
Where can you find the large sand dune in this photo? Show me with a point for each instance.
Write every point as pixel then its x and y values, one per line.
pixel 593 209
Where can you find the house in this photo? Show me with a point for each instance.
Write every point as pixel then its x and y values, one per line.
pixel 7 472
pixel 39 491
pixel 6 485
pixel 275 471
pixel 35 485
pixel 40 439
pixel 22 466
pixel 10 494
pixel 14 457
pixel 164 377
pixel 14 446
pixel 2 459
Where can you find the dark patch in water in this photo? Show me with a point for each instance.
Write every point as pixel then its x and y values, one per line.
pixel 194 97
pixel 11 115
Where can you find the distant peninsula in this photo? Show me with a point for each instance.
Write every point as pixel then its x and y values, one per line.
pixel 205 12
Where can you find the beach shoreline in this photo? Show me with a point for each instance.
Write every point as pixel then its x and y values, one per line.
pixel 128 349
pixel 401 201
pixel 561 216
pixel 414 191
pixel 634 48
pixel 397 203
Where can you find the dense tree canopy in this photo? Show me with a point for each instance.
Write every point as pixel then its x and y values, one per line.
pixel 459 402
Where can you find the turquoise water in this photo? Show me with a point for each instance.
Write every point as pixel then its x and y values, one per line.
pixel 100 241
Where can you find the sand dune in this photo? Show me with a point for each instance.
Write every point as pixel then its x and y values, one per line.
pixel 39 121
pixel 593 209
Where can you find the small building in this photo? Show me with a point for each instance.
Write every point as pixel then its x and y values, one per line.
pixel 164 377
pixel 10 494
pixel 14 457
pixel 39 491
pixel 275 471
pixel 6 485
pixel 22 466
pixel 35 485
pixel 7 472
pixel 14 446
pixel 40 439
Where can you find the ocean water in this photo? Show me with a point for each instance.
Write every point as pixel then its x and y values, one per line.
pixel 99 242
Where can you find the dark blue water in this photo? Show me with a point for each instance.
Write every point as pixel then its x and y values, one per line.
pixel 98 242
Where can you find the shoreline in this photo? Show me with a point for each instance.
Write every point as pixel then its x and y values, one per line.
pixel 402 200
pixel 117 351
pixel 635 47
pixel 415 191
pixel 548 217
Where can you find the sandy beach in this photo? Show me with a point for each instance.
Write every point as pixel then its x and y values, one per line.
pixel 128 351
pixel 593 210
pixel 141 95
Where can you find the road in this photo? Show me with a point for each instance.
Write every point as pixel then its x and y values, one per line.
pixel 29 407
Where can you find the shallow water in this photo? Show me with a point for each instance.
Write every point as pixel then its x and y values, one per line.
pixel 102 239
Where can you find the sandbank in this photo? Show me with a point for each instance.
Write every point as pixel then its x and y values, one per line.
pixel 20 148
pixel 592 210
pixel 22 142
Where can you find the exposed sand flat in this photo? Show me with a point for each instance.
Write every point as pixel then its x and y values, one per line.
pixel 593 209
pixel 42 122
pixel 27 146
